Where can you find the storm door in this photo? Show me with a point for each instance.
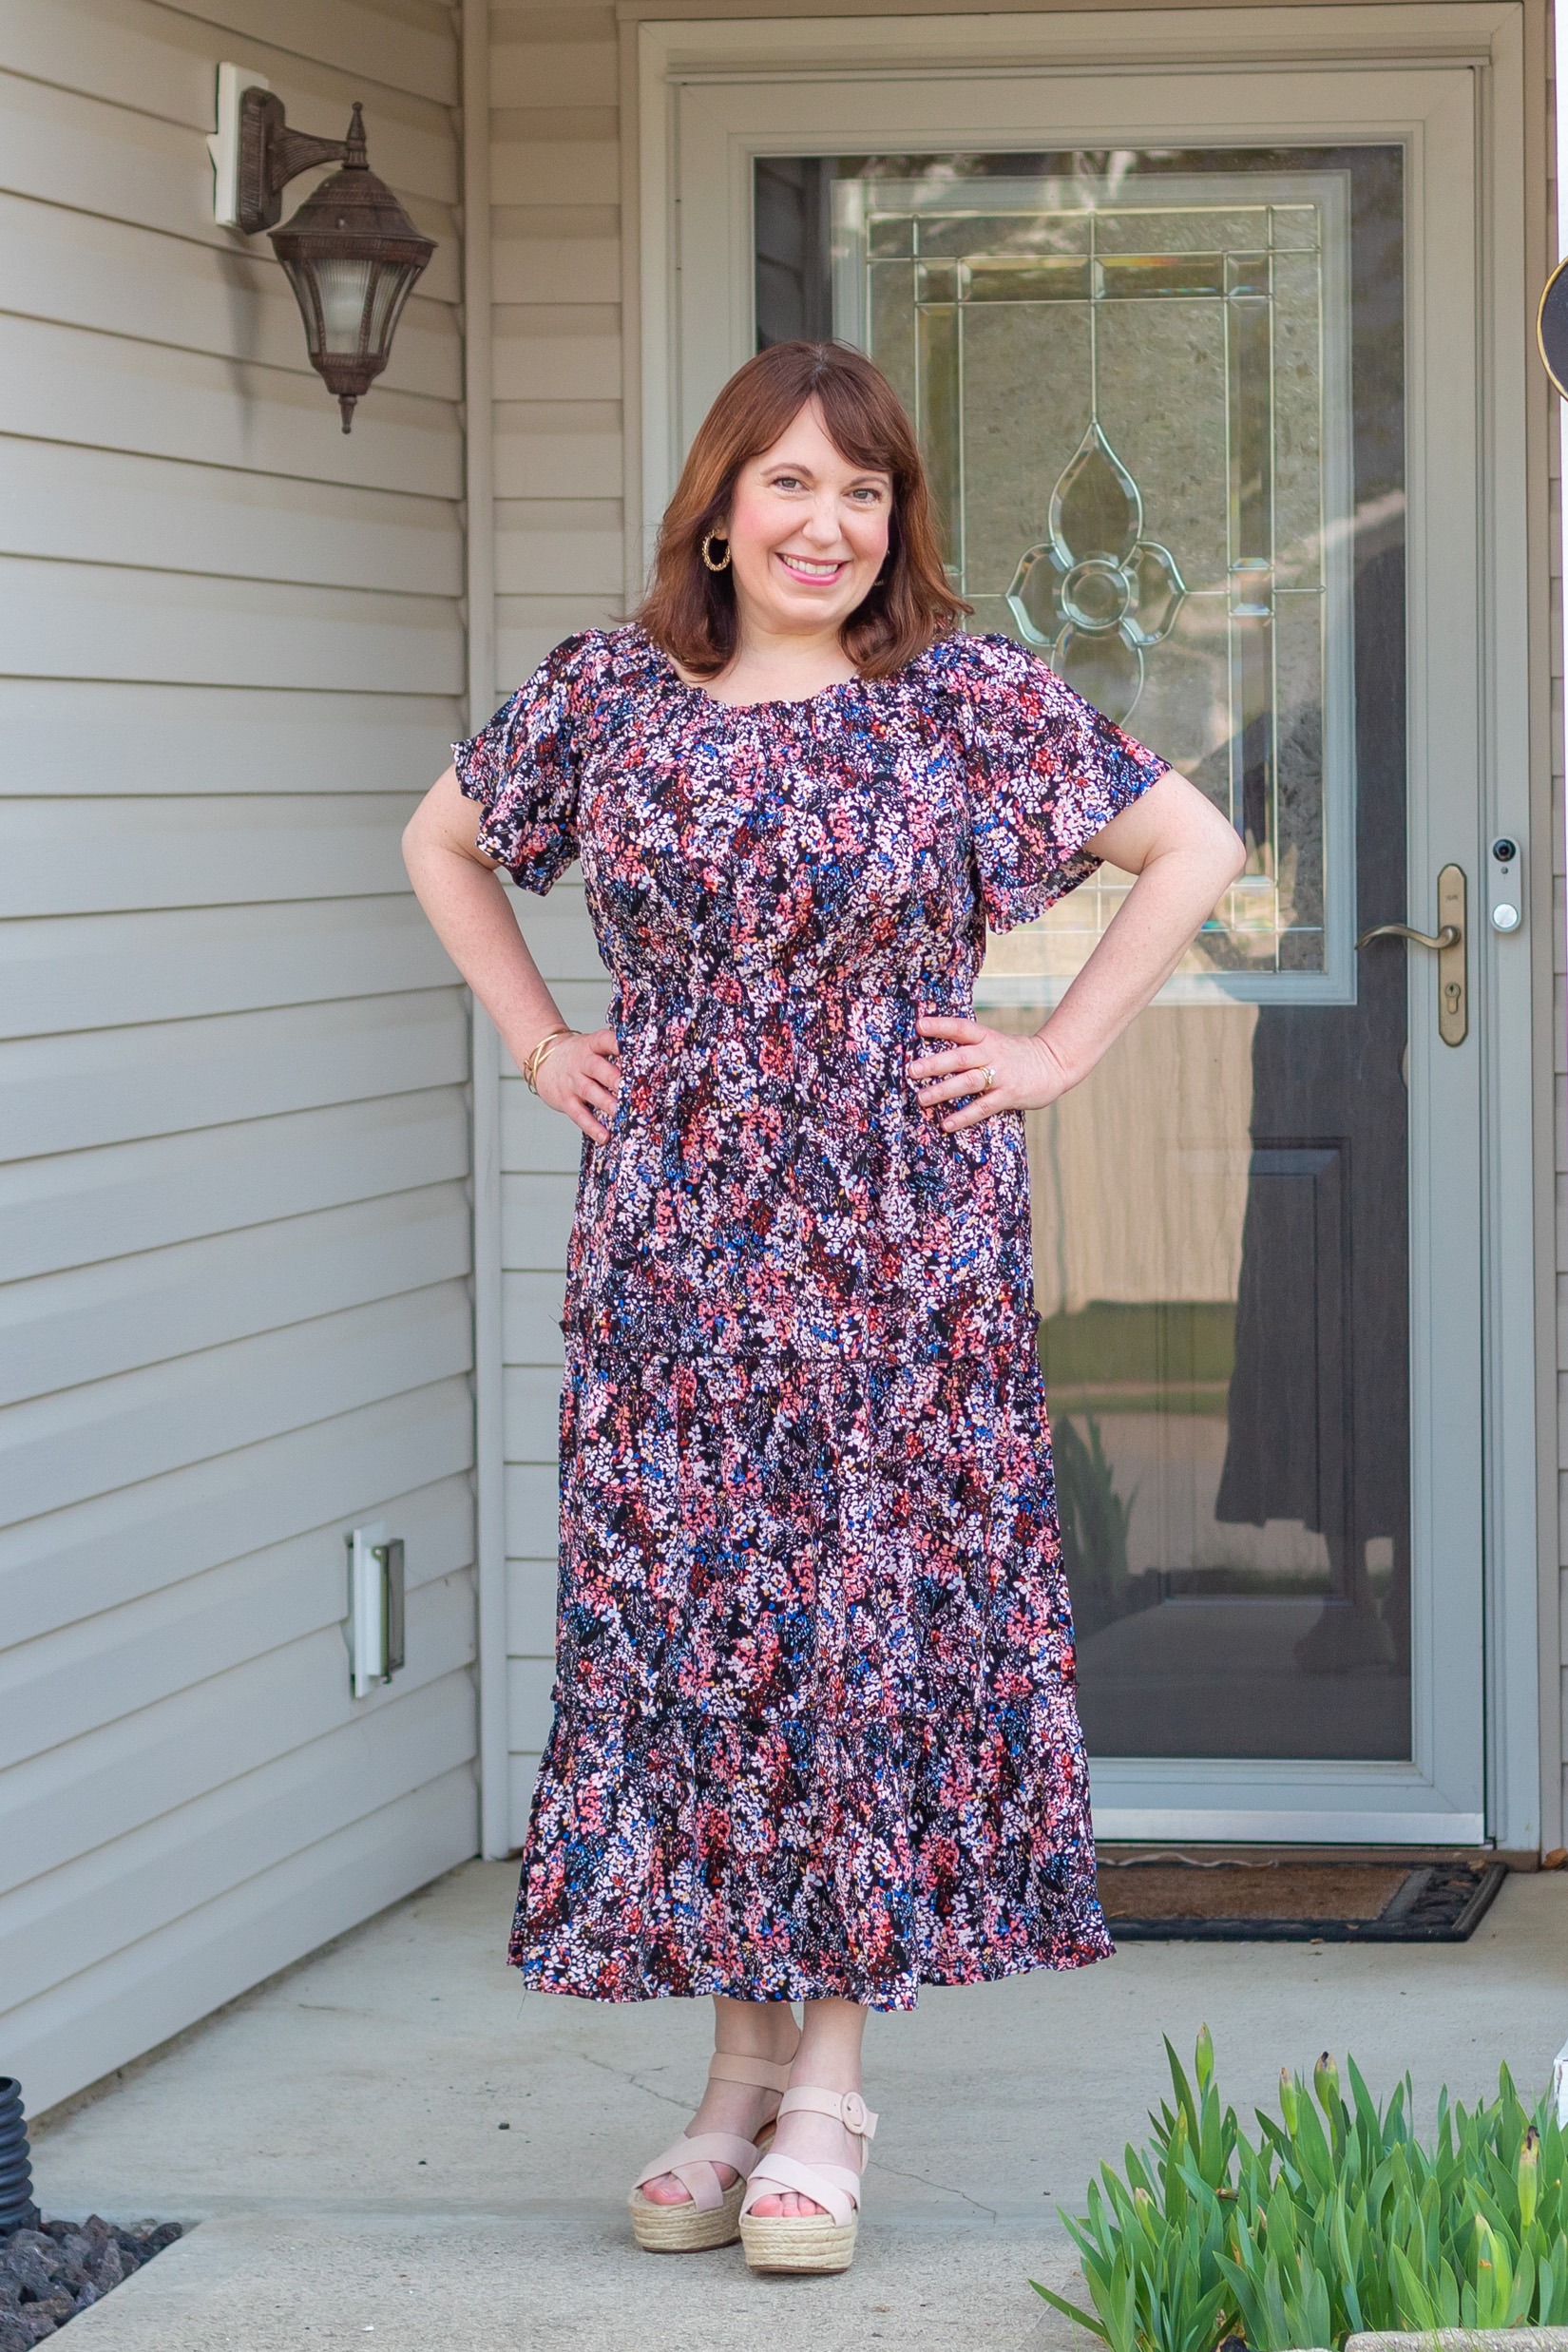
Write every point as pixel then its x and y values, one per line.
pixel 1181 399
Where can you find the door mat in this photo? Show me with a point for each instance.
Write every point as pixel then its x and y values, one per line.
pixel 1179 1899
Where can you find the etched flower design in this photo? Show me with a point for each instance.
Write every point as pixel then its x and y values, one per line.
pixel 1097 593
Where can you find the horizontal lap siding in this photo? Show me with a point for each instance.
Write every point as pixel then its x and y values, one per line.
pixel 559 567
pixel 539 1163
pixel 1559 1126
pixel 235 1226
pixel 1555 1627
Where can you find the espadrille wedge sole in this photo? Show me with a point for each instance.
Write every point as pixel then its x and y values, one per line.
pixel 825 2241
pixel 798 2241
pixel 709 2215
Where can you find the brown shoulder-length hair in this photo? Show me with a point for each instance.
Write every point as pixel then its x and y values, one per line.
pixel 690 611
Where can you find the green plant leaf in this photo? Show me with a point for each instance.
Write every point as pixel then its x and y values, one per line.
pixel 1072 2311
pixel 1183 2091
pixel 1494 2276
pixel 1203 2058
pixel 1413 2303
pixel 1521 2296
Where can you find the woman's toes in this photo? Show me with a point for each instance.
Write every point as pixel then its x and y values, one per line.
pixel 667 2189
pixel 788 2206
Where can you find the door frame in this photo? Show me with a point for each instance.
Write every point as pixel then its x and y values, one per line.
pixel 1387 1804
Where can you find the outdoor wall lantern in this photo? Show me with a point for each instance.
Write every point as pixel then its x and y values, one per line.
pixel 351 252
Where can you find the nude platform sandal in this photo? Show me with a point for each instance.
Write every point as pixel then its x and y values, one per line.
pixel 713 2215
pixel 822 2241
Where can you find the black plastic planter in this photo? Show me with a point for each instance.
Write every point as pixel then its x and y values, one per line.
pixel 16 2205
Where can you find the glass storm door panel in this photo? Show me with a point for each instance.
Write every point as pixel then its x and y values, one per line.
pixel 1162 390
pixel 1134 396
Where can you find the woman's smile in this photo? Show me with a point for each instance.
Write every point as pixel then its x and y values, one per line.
pixel 811 571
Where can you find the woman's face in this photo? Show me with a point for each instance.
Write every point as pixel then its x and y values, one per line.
pixel 808 532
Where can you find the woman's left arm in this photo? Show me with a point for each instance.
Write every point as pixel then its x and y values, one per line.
pixel 1184 855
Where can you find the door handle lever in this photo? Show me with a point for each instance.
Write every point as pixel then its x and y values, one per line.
pixel 1449 936
pixel 1448 943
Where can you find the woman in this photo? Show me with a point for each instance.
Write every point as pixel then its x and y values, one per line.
pixel 815 1737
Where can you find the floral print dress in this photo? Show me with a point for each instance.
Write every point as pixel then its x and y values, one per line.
pixel 815 1729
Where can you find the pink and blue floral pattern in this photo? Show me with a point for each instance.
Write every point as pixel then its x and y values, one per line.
pixel 815 1727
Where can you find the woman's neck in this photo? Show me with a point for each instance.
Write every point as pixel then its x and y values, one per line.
pixel 769 666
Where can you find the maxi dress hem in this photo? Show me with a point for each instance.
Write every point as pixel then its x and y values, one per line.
pixel 894 2000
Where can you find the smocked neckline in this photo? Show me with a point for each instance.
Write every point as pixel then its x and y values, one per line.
pixel 780 703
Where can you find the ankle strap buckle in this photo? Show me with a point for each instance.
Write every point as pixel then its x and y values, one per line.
pixel 846 2107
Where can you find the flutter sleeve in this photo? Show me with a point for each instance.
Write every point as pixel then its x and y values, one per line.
pixel 523 768
pixel 1047 770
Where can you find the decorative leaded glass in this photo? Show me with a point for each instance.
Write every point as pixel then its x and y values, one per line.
pixel 1133 394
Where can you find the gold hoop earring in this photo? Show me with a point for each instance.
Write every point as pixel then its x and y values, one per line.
pixel 707 557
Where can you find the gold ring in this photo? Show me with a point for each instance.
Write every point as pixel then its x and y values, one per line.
pixel 988 1078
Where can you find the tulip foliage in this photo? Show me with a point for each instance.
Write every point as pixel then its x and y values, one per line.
pixel 1336 2221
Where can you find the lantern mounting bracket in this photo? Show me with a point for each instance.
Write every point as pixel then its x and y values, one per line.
pixel 271 155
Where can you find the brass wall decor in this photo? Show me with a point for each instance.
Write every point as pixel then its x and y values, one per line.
pixel 351 252
pixel 1552 328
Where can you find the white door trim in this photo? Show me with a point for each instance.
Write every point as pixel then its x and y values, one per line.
pixel 485 1044
pixel 1390 1803
pixel 1509 969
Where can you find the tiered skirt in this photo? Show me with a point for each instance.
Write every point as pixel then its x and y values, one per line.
pixel 815 1727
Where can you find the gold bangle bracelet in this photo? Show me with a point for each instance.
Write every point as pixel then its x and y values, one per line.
pixel 543 1054
pixel 530 1067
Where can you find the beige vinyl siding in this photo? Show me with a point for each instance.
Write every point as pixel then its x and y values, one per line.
pixel 539 1163
pixel 559 559
pixel 556 273
pixel 1554 1630
pixel 235 1311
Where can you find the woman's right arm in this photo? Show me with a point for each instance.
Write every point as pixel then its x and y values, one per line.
pixel 461 891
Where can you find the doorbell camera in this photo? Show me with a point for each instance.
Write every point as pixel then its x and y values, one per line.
pixel 1506 884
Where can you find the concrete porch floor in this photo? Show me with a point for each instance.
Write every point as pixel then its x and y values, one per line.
pixel 337 2135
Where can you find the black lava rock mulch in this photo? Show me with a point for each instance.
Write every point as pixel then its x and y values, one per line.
pixel 48 2274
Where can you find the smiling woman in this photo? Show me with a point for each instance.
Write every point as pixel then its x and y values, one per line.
pixel 807 532
pixel 804 496
pixel 816 1735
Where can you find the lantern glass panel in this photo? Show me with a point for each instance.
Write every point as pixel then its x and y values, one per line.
pixel 345 292
pixel 302 278
pixel 388 297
